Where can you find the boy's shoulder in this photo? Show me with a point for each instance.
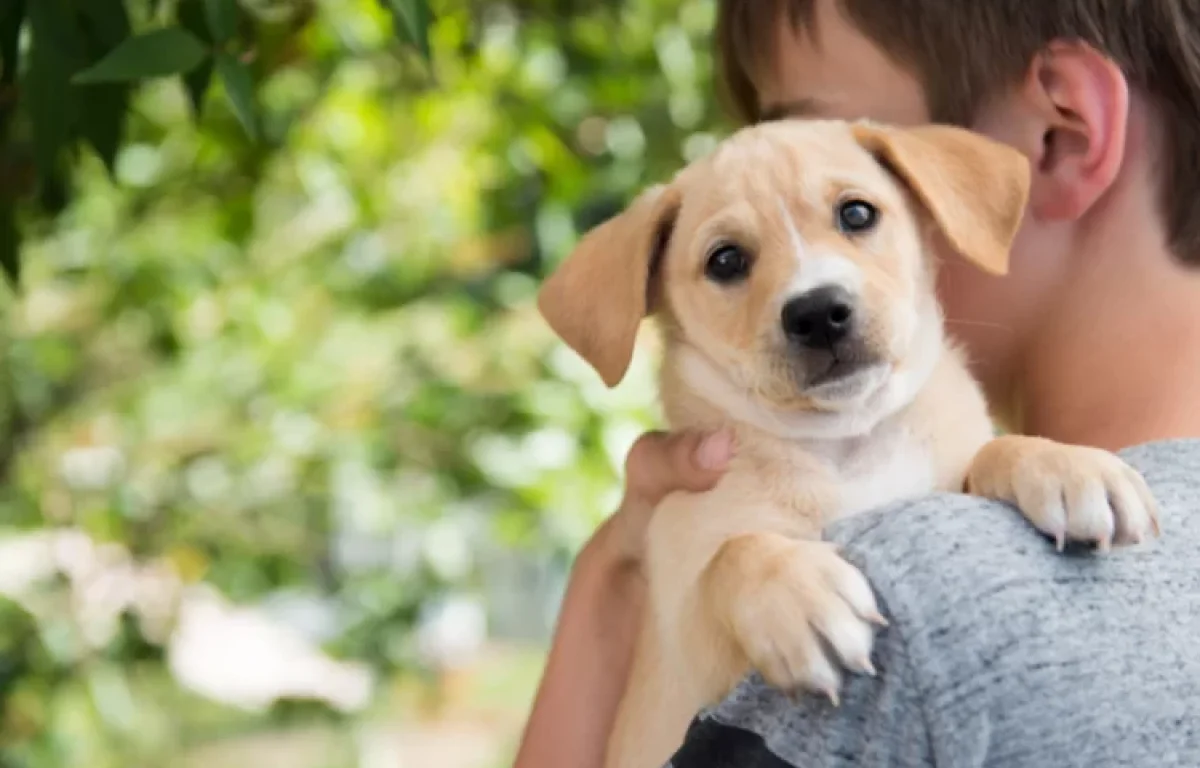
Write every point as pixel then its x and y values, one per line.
pixel 933 534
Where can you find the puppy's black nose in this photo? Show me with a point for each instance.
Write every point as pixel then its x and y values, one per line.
pixel 820 318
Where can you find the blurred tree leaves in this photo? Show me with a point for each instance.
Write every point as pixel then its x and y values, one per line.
pixel 222 18
pixel 239 87
pixel 280 341
pixel 412 20
pixel 84 58
pixel 10 260
pixel 157 53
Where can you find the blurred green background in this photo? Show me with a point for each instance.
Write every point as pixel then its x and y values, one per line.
pixel 292 470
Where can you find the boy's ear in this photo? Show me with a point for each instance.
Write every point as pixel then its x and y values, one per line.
pixel 975 188
pixel 599 295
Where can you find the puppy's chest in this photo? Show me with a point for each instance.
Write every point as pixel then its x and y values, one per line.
pixel 866 473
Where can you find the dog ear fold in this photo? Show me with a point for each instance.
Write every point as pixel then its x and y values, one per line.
pixel 599 295
pixel 975 188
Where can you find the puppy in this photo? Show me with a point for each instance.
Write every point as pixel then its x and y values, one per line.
pixel 792 271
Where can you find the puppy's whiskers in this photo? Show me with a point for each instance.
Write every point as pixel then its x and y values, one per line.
pixel 979 324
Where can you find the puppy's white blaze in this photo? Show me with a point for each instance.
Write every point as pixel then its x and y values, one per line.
pixel 826 270
pixel 798 246
pixel 820 270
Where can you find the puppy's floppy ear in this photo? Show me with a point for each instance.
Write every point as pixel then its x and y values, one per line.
pixel 975 188
pixel 599 295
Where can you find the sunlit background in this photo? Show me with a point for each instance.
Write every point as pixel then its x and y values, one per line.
pixel 292 470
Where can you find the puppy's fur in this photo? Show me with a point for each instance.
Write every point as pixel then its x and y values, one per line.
pixel 879 408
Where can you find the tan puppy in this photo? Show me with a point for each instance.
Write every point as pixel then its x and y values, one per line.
pixel 793 274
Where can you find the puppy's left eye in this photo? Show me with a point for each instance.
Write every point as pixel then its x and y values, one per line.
pixel 855 216
pixel 727 264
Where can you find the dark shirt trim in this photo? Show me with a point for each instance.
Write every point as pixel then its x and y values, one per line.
pixel 712 744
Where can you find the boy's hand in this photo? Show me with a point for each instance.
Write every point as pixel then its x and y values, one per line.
pixel 657 465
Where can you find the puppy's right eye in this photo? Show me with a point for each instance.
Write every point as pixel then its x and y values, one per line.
pixel 856 216
pixel 727 264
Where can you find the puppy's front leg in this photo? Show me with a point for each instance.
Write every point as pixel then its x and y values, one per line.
pixel 739 580
pixel 1069 492
pixel 785 601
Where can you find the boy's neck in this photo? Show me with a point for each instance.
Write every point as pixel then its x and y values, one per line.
pixel 1118 361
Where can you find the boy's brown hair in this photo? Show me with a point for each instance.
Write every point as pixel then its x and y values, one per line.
pixel 963 51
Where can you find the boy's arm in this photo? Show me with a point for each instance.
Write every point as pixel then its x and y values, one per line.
pixel 588 663
pixel 593 645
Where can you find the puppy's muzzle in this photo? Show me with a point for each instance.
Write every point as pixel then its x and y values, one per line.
pixel 820 319
pixel 824 330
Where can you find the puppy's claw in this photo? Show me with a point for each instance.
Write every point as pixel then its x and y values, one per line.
pixel 833 697
pixel 1060 541
pixel 864 664
pixel 875 617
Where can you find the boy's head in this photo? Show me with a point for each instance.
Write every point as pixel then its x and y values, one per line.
pixel 1103 97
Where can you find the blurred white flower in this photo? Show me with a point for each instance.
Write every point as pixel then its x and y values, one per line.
pixel 208 479
pixel 549 448
pixel 312 615
pixel 25 559
pixel 91 467
pixel 451 632
pixel 447 549
pixel 500 458
pixel 675 54
pixel 272 479
pixel 625 137
pixel 241 657
pixel 236 655
pixel 103 579
pixel 296 432
pixel 360 502
pixel 544 68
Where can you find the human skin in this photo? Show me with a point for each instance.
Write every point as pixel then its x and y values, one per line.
pixel 1093 337
pixel 598 624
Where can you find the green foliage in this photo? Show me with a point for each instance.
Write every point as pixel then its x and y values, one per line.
pixel 222 17
pixel 412 19
pixel 85 55
pixel 275 332
pixel 157 53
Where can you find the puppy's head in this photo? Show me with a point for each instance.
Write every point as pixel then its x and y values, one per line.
pixel 796 260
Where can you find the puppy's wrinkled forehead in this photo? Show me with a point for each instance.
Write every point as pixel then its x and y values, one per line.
pixel 795 162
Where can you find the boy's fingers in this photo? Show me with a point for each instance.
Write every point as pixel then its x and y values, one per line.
pixel 660 463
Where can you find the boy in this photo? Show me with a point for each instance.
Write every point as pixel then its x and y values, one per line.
pixel 999 653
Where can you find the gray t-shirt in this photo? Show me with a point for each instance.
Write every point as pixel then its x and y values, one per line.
pixel 1001 652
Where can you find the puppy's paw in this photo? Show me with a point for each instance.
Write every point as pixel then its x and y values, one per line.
pixel 1069 492
pixel 803 613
